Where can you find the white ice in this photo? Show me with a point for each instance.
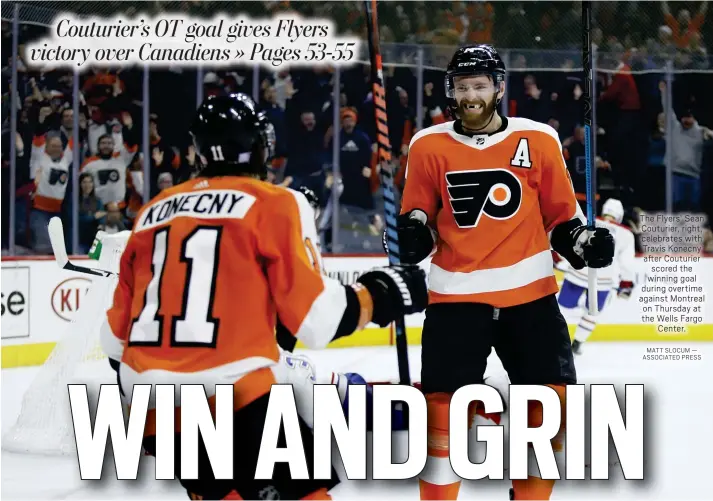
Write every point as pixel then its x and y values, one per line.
pixel 679 441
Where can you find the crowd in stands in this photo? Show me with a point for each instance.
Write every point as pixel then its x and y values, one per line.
pixel 634 40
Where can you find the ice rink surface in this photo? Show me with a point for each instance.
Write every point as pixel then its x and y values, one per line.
pixel 679 438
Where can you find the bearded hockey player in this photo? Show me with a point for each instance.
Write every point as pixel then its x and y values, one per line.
pixel 619 275
pixel 209 267
pixel 488 197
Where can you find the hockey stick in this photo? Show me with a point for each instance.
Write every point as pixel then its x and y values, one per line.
pixel 56 232
pixel 590 172
pixel 387 178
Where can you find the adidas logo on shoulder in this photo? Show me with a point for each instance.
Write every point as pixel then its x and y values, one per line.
pixel 200 185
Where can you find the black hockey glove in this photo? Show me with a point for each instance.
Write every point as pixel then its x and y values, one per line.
pixel 395 291
pixel 416 239
pixel 597 249
pixel 573 242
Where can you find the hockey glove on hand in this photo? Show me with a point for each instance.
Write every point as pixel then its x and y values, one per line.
pixel 597 249
pixel 395 291
pixel 416 239
pixel 573 242
pixel 625 288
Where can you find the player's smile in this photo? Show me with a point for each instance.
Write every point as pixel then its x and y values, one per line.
pixel 473 109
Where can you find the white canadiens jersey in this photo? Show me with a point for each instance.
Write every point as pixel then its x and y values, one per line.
pixel 621 269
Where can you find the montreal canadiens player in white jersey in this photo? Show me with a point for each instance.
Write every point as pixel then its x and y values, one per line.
pixel 618 276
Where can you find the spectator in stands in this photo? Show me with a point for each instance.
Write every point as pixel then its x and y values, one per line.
pixel 102 91
pixel 568 107
pixel 164 157
pixel 697 54
pixel 306 157
pixel 535 104
pixel 574 155
pixel 109 170
pixel 654 182
pixel 114 222
pixel 51 168
pixel 356 201
pixel 354 162
pixel 211 85
pixel 277 116
pixel 569 27
pixel 687 150
pixel 188 164
pixel 481 19
pixel 91 212
pixel 663 49
pixel 682 26
pixel 283 88
pixel 624 128
pixel 165 181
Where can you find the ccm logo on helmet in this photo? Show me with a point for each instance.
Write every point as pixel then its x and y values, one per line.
pixel 497 193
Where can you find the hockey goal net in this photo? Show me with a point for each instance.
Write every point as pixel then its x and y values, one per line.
pixel 44 424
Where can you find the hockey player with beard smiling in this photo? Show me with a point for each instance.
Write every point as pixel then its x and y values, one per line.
pixel 489 197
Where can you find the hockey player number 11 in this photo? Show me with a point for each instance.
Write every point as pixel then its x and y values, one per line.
pixel 195 326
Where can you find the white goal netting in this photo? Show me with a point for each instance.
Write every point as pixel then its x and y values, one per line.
pixel 44 425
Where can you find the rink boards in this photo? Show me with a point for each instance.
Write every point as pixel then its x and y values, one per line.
pixel 39 300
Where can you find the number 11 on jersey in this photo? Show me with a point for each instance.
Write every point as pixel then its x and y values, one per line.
pixel 195 326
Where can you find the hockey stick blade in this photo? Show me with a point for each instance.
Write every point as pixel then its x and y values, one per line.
pixel 56 233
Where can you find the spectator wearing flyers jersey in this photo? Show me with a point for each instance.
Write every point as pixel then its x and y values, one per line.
pixel 51 168
pixel 109 171
pixel 683 28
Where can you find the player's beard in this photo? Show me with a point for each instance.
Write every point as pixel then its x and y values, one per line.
pixel 478 119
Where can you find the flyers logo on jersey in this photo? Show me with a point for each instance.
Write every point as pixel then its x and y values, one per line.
pixel 497 193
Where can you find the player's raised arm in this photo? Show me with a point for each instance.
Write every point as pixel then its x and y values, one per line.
pixel 314 307
pixel 562 216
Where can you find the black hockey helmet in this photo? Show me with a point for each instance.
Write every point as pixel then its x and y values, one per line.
pixel 480 59
pixel 232 136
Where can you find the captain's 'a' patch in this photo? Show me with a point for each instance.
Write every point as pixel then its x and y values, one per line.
pixel 522 155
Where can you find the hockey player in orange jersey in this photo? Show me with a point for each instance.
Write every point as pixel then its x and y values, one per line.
pixel 209 267
pixel 488 196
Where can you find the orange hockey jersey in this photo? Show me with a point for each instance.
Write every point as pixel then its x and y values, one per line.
pixel 493 200
pixel 209 266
